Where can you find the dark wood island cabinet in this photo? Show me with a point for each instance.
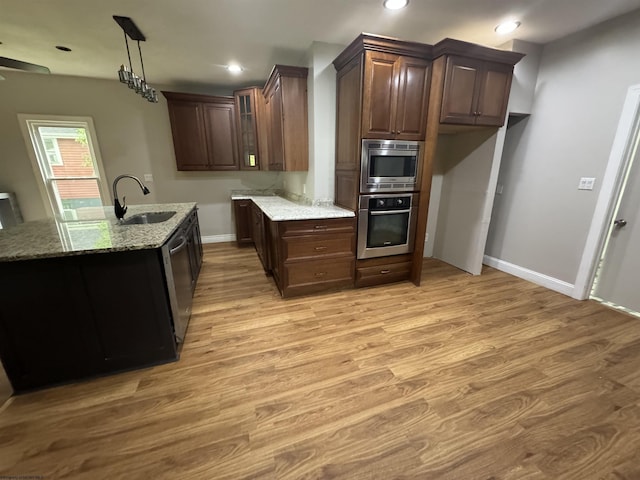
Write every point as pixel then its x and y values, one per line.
pixel 77 316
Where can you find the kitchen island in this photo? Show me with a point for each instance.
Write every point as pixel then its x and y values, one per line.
pixel 93 297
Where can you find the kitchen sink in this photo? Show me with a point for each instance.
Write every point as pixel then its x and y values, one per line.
pixel 149 217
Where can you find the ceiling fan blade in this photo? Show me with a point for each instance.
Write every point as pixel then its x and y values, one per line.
pixel 19 65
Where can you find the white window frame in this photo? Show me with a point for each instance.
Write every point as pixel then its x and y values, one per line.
pixel 30 121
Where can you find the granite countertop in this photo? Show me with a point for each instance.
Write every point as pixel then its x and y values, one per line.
pixel 279 209
pixel 101 233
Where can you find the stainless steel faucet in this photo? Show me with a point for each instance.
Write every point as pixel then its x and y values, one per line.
pixel 120 210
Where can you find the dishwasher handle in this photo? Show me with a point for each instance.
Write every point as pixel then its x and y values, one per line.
pixel 180 246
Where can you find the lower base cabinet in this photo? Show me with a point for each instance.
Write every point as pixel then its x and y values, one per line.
pixel 309 256
pixel 382 270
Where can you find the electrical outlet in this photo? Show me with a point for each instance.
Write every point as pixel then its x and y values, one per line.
pixel 148 177
pixel 499 189
pixel 586 183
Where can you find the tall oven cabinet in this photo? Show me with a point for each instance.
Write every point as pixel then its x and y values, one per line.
pixel 392 90
pixel 382 92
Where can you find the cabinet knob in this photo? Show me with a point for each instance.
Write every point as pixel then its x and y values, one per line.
pixel 320 274
pixel 320 227
pixel 383 272
pixel 479 114
pixel 319 249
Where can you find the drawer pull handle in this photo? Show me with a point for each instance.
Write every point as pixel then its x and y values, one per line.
pixel 319 249
pixel 383 272
pixel 320 274
pixel 320 227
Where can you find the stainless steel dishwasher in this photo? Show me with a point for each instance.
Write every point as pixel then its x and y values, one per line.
pixel 177 267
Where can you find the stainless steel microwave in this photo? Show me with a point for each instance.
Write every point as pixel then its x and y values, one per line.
pixel 390 166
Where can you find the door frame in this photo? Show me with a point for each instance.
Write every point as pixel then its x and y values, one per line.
pixel 619 158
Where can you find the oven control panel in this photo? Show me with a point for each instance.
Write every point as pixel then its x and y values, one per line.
pixel 387 202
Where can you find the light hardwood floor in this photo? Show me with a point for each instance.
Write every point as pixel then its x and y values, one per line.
pixel 464 378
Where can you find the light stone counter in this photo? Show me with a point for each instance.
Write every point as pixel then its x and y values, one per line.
pixel 102 234
pixel 279 209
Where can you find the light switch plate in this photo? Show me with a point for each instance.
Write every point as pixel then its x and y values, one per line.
pixel 148 177
pixel 586 183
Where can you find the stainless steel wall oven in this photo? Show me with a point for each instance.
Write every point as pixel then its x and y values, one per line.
pixel 386 224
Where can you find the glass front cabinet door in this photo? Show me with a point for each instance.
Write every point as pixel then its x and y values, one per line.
pixel 251 128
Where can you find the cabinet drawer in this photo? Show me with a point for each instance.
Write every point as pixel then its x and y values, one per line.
pixel 384 273
pixel 324 225
pixel 306 246
pixel 314 275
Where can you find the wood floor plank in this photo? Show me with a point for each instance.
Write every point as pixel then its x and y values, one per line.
pixel 465 377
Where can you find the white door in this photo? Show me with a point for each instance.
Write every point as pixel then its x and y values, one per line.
pixel 617 280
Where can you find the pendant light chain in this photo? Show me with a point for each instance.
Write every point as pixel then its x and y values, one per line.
pixel 144 78
pixel 126 42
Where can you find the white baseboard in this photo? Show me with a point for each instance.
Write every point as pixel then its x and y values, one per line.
pixel 541 279
pixel 218 238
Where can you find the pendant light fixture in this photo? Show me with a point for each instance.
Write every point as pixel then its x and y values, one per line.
pixel 126 75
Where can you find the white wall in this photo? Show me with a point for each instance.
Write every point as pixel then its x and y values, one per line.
pixel 317 185
pixel 134 137
pixel 525 75
pixel 465 165
pixel 541 220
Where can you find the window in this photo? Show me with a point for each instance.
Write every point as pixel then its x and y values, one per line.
pixel 64 153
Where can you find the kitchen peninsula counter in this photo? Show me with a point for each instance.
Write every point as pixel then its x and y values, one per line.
pixel 55 238
pixel 279 209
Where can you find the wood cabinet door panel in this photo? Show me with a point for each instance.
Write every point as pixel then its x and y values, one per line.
pixel 349 105
pixel 242 217
pixel 493 94
pixel 317 274
pixel 384 273
pixel 188 135
pixel 413 98
pixel 220 128
pixel 321 225
pixel 276 141
pixel 46 327
pixel 314 246
pixel 259 235
pixel 460 91
pixel 122 339
pixel 380 95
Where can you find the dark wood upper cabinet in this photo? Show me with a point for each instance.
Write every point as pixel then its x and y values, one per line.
pixel 476 92
pixel 252 128
pixel 395 96
pixel 189 139
pixel 204 131
pixel 285 96
pixel 220 130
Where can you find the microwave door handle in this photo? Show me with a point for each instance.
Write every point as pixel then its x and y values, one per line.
pixel 387 212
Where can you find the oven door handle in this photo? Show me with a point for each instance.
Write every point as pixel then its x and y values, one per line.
pixel 387 212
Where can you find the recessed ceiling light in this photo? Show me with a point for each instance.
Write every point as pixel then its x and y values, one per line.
pixel 63 48
pixel 234 68
pixel 395 4
pixel 507 27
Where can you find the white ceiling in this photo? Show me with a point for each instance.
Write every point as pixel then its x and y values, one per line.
pixel 189 41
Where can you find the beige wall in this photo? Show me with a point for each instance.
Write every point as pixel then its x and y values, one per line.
pixel 134 137
pixel 541 220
